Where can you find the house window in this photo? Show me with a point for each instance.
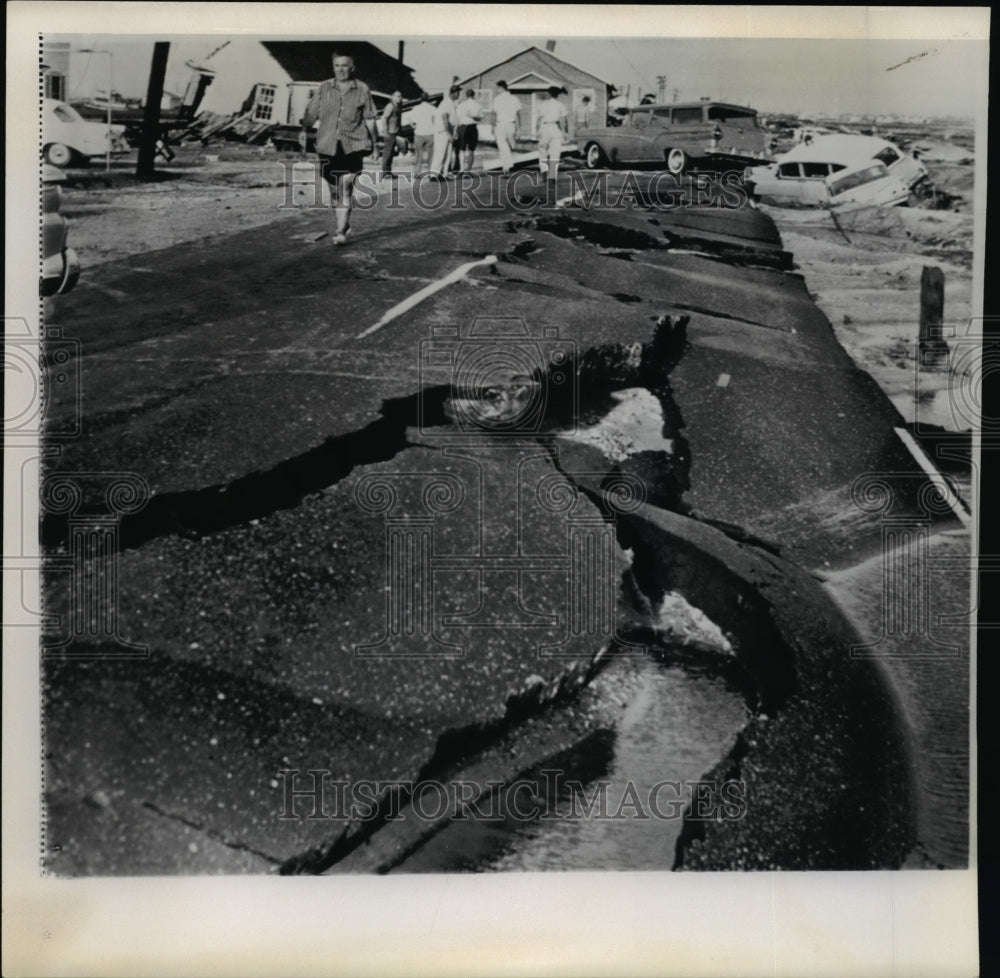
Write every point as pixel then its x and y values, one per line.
pixel 264 103
pixel 55 86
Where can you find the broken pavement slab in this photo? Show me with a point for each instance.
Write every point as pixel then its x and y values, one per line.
pixel 253 572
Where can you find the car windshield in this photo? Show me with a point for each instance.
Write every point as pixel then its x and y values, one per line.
pixel 858 178
pixel 66 114
pixel 888 156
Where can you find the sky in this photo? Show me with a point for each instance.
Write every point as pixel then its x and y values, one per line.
pixel 923 78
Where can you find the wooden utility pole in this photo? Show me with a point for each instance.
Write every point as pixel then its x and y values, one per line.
pixel 933 347
pixel 145 169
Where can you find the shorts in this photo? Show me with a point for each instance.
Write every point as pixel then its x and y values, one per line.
pixel 468 136
pixel 341 163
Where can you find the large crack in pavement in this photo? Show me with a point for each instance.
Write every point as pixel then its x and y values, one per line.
pixel 667 550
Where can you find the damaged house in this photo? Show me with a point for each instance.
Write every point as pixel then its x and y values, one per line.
pixel 261 84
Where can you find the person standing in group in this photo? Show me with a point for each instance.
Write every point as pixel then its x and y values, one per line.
pixel 444 133
pixel 582 117
pixel 346 114
pixel 506 109
pixel 390 120
pixel 422 117
pixel 550 128
pixel 468 112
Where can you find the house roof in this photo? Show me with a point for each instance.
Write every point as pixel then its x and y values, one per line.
pixel 311 61
pixel 546 57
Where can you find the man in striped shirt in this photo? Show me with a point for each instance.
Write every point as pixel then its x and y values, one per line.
pixel 343 105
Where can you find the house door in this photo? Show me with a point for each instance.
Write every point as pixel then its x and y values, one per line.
pixel 530 103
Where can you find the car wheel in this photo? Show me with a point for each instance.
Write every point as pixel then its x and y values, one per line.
pixel 594 156
pixel 676 161
pixel 58 154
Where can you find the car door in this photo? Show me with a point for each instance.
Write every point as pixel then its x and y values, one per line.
pixel 687 131
pixel 633 138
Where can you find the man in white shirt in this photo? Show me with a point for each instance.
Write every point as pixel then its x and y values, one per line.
pixel 422 118
pixel 444 130
pixel 550 127
pixel 505 108
pixel 468 112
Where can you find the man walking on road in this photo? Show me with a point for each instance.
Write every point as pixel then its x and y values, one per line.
pixel 506 108
pixel 422 115
pixel 468 112
pixel 551 131
pixel 390 120
pixel 444 131
pixel 346 114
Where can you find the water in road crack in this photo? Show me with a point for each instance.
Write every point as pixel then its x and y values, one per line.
pixel 676 727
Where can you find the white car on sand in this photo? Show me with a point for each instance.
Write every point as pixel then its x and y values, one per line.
pixel 67 136
pixel 798 179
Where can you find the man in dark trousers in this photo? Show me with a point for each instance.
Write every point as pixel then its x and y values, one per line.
pixel 390 119
pixel 346 114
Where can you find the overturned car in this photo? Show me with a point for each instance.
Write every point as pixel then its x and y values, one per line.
pixel 799 178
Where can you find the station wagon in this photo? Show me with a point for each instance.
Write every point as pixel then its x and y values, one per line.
pixel 676 134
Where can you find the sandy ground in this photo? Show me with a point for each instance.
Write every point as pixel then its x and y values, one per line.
pixel 865 275
pixel 201 195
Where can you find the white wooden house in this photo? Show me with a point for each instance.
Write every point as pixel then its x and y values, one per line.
pixel 533 71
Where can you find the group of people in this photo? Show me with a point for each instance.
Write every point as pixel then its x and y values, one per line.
pixel 446 133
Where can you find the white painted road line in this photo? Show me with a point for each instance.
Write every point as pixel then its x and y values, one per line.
pixel 428 290
pixel 571 199
pixel 959 507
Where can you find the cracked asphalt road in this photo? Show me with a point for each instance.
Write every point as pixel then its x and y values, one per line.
pixel 230 374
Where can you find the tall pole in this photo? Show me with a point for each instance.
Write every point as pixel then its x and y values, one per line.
pixel 145 168
pixel 111 90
